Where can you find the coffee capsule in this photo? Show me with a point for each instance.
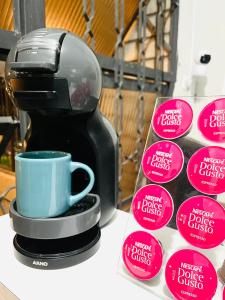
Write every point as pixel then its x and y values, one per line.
pixel 162 161
pixel 211 121
pixel 199 221
pixel 190 275
pixel 142 255
pixel 206 170
pixel 172 119
pixel 152 206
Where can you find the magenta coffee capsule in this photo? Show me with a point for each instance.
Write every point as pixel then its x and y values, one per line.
pixel 190 275
pixel 162 161
pixel 172 119
pixel 199 221
pixel 152 206
pixel 211 121
pixel 142 255
pixel 224 293
pixel 206 170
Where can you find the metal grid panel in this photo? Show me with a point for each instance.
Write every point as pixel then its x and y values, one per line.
pixel 129 134
pixel 68 14
pixel 6 9
pixel 138 55
pixel 158 27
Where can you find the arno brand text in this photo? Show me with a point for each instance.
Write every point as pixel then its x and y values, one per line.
pixel 40 263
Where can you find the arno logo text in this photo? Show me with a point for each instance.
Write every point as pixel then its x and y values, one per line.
pixel 40 263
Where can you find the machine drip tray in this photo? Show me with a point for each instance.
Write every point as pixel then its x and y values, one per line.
pixel 57 253
pixel 80 218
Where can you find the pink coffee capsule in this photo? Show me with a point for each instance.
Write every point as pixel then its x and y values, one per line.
pixel 172 119
pixel 190 275
pixel 206 170
pixel 211 121
pixel 142 255
pixel 224 293
pixel 199 221
pixel 152 206
pixel 162 161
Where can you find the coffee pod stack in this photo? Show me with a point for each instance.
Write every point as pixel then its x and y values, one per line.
pixel 174 240
pixel 58 242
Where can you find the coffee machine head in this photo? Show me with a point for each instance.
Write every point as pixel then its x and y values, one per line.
pixel 52 70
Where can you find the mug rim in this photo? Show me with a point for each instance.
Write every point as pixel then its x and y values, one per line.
pixel 63 155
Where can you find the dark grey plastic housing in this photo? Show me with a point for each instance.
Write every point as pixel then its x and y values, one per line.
pixel 55 67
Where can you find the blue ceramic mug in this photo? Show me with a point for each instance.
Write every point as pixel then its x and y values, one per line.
pixel 43 183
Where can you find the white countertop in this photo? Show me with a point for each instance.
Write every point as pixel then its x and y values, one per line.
pixel 96 278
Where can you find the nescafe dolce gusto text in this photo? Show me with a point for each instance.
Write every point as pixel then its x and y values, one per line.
pixel 56 78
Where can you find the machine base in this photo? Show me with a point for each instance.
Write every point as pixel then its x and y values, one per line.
pixel 57 253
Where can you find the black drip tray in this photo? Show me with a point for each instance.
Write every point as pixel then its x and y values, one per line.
pixel 78 219
pixel 57 253
pixel 80 207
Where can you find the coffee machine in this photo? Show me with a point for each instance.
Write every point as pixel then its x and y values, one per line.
pixel 55 77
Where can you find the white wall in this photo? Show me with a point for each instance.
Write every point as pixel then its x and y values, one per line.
pixel 201 30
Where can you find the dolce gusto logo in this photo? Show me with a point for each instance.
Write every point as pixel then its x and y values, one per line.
pixel 152 205
pixel 161 160
pixel 190 276
pixel 171 117
pixel 141 252
pixel 217 118
pixel 201 220
pixel 212 167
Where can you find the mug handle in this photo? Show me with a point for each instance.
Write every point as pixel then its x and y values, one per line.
pixel 77 165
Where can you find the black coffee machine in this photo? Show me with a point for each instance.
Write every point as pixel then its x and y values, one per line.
pixel 56 78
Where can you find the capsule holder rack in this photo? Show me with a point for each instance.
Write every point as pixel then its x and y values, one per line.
pixel 180 189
